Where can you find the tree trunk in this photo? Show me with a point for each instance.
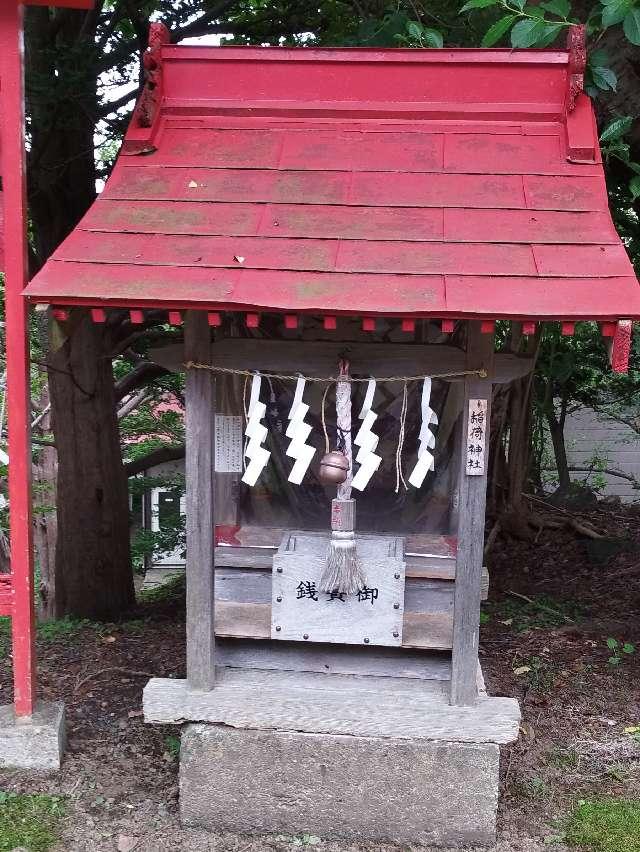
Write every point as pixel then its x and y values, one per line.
pixel 511 434
pixel 556 431
pixel 93 575
pixel 62 102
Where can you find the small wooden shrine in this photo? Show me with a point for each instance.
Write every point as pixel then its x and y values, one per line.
pixel 339 232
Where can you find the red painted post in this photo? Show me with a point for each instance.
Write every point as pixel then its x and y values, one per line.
pixel 17 341
pixel 528 327
pixel 330 323
pixel 409 325
pixel 448 326
pixel 291 321
pixel 98 315
pixel 568 329
pixel 215 319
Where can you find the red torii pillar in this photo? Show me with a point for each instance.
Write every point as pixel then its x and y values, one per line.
pixel 13 165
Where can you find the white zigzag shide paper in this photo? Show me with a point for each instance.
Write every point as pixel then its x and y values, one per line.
pixel 256 432
pixel 366 440
pixel 299 431
pixel 426 438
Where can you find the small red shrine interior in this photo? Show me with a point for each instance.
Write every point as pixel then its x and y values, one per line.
pixel 449 184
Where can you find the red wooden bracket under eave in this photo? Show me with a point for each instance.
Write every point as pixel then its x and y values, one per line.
pixel 98 315
pixel 621 346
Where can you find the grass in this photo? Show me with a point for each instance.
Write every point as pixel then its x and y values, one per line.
pixel 172 745
pixel 607 825
pixel 65 629
pixel 29 821
pixel 542 612
pixel 172 591
pixel 563 758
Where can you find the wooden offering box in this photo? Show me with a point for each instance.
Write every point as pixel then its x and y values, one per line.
pixel 371 616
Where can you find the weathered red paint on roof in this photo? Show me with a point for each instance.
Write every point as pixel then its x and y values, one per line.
pixel 1 233
pixel 403 182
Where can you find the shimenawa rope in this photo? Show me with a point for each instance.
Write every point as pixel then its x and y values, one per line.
pixel 193 365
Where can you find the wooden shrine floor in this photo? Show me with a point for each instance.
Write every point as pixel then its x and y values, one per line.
pixel 316 703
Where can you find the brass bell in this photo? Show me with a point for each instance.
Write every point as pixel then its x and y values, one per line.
pixel 334 468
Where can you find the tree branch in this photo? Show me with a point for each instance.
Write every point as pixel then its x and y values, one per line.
pixel 158 456
pixel 132 403
pixel 142 374
pixel 113 106
pixel 611 471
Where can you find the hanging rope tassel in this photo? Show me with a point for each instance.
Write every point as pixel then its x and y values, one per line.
pixel 343 571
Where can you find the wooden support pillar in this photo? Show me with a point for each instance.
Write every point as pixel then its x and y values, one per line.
pixel 17 349
pixel 472 498
pixel 200 397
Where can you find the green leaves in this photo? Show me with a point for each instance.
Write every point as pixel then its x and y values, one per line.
pixel 500 28
pixel 626 12
pixel 526 32
pixel 614 12
pixel 433 38
pixel 561 8
pixel 529 24
pixel 617 649
pixel 552 32
pixel 419 36
pixel 478 4
pixel 616 129
pixel 634 187
pixel 529 32
pixel 604 78
pixel 631 25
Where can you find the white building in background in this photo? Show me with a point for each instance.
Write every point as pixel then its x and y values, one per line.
pixel 595 440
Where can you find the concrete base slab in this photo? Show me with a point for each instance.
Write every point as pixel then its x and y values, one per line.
pixel 365 788
pixel 34 742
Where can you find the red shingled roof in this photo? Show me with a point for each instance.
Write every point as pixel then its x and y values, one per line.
pixel 1 217
pixel 452 183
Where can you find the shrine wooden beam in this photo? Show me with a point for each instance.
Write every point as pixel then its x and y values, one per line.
pixel 200 399
pixel 319 358
pixel 472 497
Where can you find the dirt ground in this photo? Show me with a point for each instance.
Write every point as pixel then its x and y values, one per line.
pixel 121 775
